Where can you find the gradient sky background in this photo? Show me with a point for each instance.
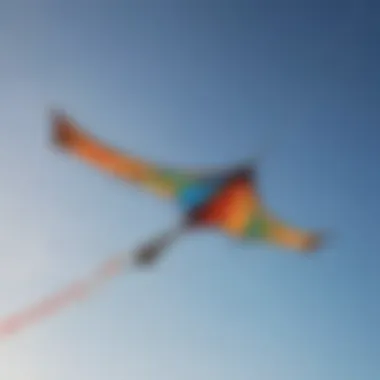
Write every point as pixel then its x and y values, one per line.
pixel 193 83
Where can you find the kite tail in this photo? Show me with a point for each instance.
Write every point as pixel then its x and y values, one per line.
pixel 75 292
pixel 147 254
pixel 150 252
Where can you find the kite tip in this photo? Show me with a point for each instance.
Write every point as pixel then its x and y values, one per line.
pixel 315 243
pixel 63 131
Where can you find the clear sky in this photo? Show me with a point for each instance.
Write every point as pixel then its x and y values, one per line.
pixel 193 83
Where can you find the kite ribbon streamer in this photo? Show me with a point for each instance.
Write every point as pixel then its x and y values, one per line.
pixel 146 254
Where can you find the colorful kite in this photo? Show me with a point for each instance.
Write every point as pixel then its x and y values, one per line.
pixel 225 200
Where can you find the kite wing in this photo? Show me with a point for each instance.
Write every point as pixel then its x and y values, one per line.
pixel 69 136
pixel 163 181
pixel 272 230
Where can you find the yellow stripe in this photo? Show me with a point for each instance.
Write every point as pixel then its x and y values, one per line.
pixel 290 237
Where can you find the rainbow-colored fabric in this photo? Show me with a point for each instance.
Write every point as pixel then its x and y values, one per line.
pixel 219 199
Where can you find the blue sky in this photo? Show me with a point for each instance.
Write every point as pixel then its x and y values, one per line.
pixel 193 83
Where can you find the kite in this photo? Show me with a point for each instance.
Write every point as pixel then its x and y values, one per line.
pixel 226 200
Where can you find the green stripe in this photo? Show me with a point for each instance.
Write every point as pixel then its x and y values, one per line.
pixel 257 227
pixel 174 180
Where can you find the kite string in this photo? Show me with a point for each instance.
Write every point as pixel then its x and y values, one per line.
pixel 146 254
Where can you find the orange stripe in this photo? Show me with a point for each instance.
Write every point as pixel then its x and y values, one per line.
pixel 231 209
pixel 240 205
